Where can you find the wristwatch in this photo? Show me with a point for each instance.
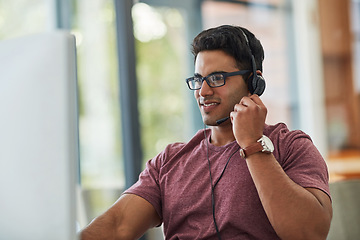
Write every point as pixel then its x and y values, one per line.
pixel 264 145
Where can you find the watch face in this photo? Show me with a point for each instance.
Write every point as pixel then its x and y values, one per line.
pixel 267 144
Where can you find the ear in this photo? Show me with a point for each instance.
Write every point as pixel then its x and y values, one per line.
pixel 258 72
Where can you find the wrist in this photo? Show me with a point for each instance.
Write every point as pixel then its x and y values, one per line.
pixel 263 144
pixel 244 143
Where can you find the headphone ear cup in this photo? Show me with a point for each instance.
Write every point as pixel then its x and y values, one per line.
pixel 257 85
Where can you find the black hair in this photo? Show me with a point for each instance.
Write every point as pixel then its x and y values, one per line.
pixel 232 41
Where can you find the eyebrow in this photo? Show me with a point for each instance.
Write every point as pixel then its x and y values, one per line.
pixel 199 75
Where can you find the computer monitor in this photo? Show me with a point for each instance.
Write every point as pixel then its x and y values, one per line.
pixel 38 137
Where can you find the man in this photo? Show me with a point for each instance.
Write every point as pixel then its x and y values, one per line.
pixel 239 179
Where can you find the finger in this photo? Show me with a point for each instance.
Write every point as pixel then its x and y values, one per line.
pixel 256 99
pixel 234 115
pixel 240 107
pixel 247 101
pixel 252 101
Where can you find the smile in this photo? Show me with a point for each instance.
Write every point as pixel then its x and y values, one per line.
pixel 209 104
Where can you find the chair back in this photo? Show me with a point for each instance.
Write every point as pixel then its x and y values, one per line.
pixel 345 224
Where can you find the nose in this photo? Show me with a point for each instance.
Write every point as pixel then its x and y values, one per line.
pixel 205 89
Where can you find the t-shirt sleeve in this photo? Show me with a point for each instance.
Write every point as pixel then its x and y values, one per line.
pixel 148 186
pixel 302 162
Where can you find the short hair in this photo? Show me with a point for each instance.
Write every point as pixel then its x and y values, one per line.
pixel 232 41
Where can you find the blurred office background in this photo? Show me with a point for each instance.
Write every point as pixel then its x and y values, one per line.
pixel 312 69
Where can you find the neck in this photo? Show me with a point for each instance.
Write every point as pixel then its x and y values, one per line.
pixel 221 135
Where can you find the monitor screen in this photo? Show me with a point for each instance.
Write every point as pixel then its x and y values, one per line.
pixel 38 137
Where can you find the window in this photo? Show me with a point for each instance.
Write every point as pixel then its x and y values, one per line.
pixel 21 17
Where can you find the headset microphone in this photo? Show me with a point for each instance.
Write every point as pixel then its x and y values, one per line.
pixel 220 121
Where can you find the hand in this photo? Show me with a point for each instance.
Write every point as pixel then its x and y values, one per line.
pixel 248 120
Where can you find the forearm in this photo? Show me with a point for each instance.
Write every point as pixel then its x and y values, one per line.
pixel 127 219
pixel 102 227
pixel 293 211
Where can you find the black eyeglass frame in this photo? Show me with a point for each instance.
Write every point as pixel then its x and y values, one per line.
pixel 224 75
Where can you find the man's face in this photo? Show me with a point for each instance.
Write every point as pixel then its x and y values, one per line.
pixel 217 103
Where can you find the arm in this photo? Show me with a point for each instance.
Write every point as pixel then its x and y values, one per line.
pixel 293 211
pixel 128 218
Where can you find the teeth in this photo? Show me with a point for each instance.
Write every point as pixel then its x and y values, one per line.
pixel 210 104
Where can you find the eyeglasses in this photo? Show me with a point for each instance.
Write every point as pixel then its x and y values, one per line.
pixel 213 80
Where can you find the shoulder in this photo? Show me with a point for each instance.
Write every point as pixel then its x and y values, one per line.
pixel 280 133
pixel 290 143
pixel 195 140
pixel 177 149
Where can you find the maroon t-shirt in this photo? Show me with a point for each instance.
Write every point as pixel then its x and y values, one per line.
pixel 177 183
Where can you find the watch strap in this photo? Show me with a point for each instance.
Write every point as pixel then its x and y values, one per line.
pixel 254 148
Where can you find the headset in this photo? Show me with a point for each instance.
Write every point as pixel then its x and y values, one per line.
pixel 256 83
